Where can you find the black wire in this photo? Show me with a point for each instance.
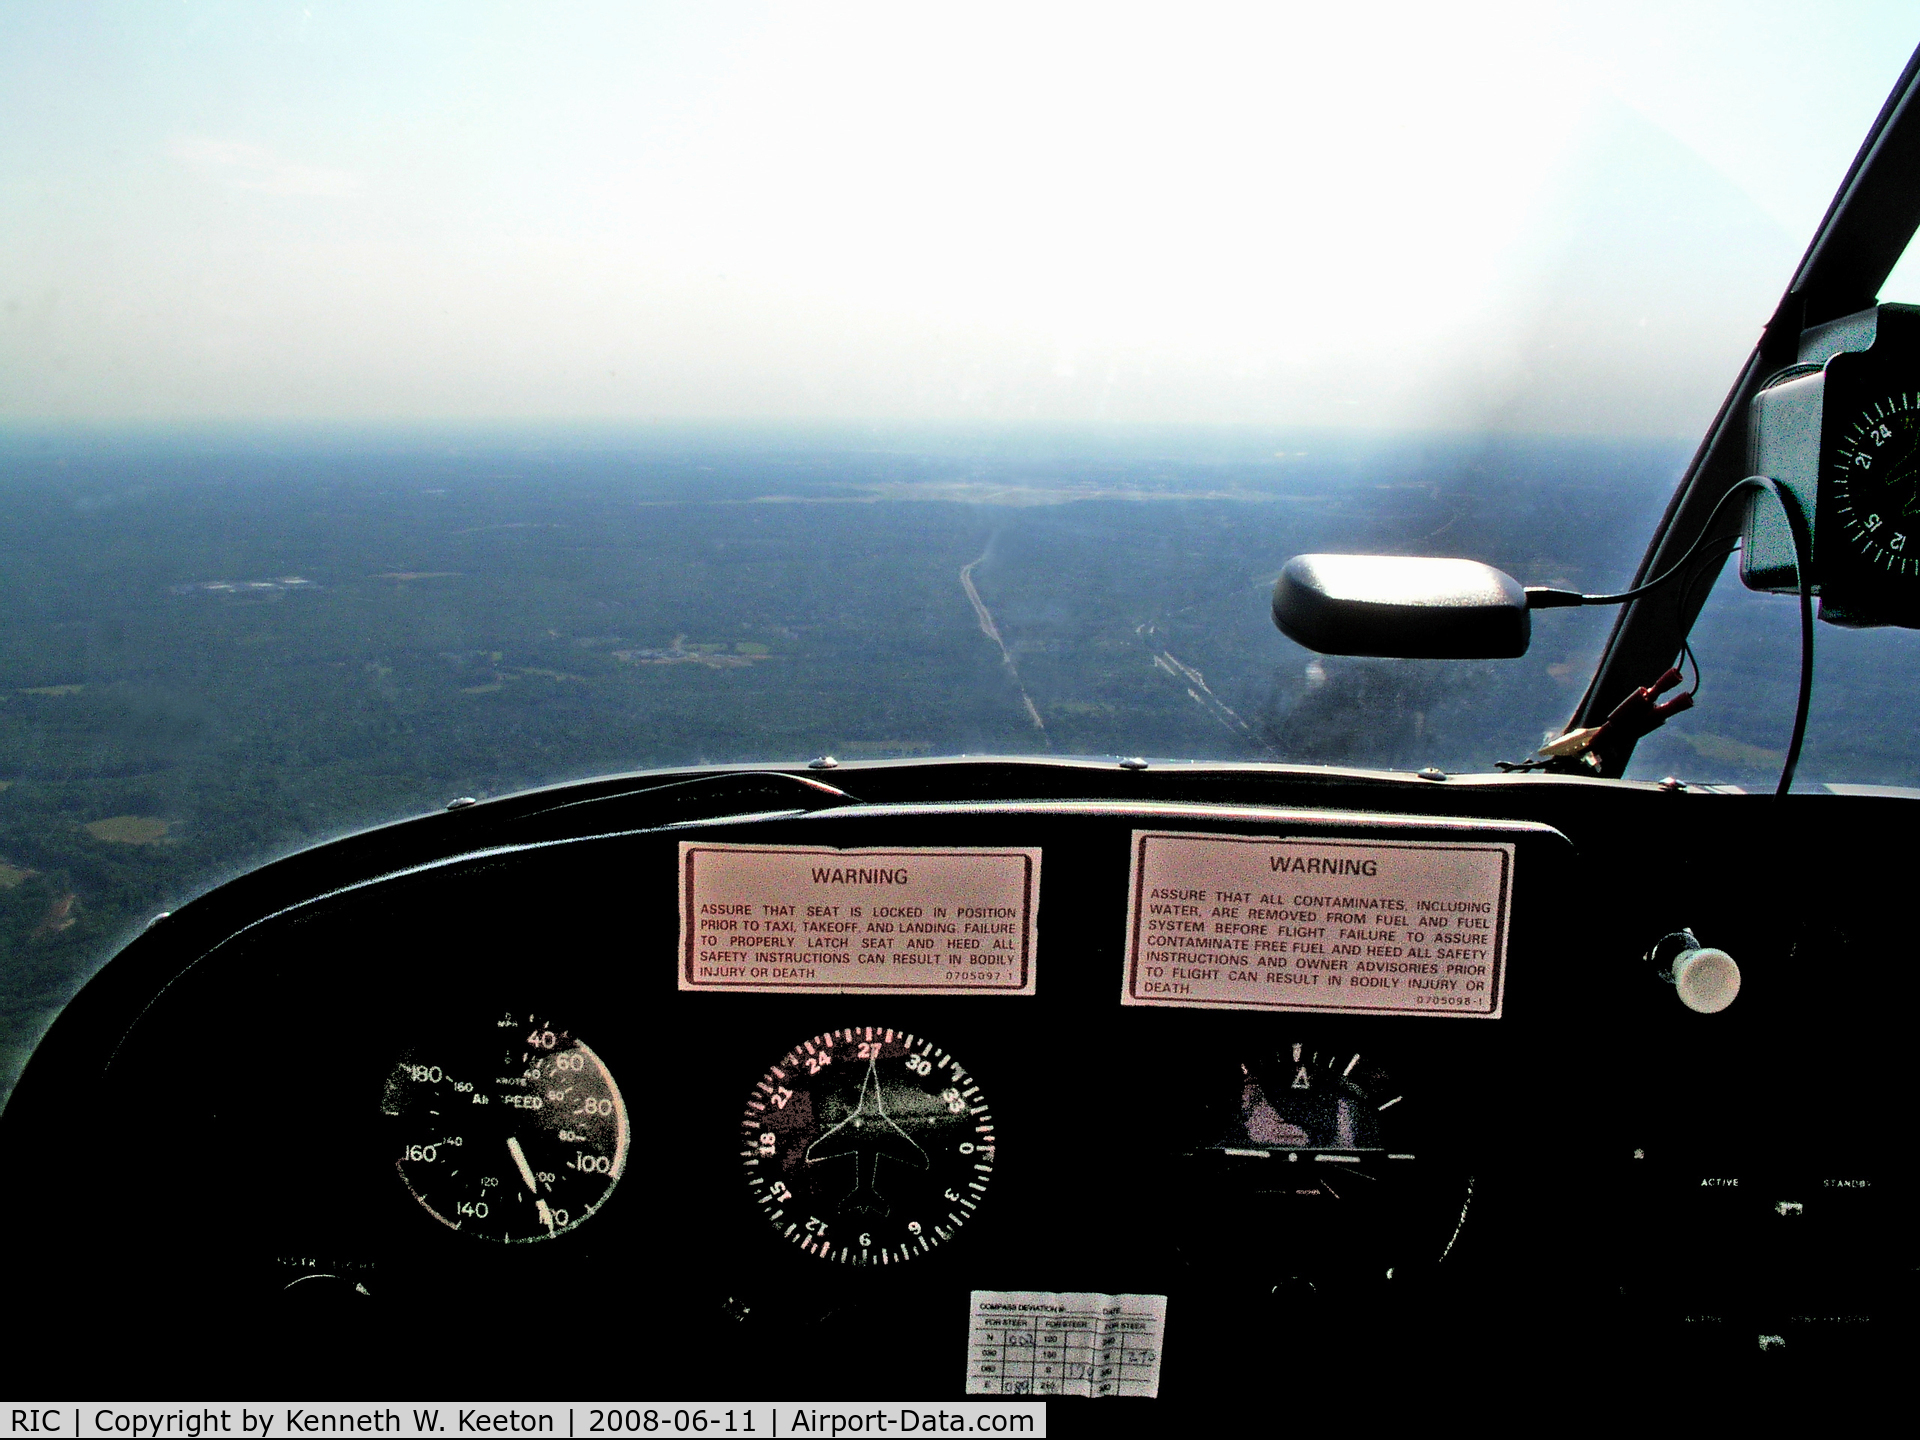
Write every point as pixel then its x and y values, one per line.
pixel 1802 553
pixel 1692 550
pixel 1803 575
pixel 1686 591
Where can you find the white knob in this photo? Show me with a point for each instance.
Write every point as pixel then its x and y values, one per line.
pixel 1707 980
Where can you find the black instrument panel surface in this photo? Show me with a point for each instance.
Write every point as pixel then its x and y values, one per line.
pixel 1599 1166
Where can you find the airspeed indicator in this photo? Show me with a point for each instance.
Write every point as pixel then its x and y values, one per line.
pixel 515 1133
pixel 867 1146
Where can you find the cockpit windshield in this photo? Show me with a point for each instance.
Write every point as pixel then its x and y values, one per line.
pixel 411 403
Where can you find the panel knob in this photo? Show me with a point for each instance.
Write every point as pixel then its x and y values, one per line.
pixel 1707 979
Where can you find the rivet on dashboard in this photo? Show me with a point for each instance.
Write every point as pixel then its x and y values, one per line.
pixel 822 762
pixel 462 802
pixel 1133 762
pixel 1432 772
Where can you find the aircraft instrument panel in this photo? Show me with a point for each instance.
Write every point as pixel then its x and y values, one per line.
pixel 762 1086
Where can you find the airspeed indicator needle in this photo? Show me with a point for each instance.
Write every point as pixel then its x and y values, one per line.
pixel 526 1170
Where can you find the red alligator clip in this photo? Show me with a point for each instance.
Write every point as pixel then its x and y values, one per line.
pixel 1640 713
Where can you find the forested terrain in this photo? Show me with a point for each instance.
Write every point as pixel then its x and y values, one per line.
pixel 214 649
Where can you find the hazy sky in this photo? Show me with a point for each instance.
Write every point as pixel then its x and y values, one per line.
pixel 1482 216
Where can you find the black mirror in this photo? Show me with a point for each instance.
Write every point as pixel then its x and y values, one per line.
pixel 1403 606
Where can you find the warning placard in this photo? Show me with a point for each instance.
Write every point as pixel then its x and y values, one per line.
pixel 913 921
pixel 1230 922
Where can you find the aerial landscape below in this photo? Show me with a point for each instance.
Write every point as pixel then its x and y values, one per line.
pixel 219 647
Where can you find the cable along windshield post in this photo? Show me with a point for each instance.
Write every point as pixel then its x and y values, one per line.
pixel 1866 229
pixel 1602 748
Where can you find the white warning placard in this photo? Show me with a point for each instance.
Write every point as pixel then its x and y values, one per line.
pixel 1233 922
pixel 912 921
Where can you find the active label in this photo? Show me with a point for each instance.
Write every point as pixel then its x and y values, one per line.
pixel 916 921
pixel 1230 922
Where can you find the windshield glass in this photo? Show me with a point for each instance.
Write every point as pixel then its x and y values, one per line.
pixel 404 403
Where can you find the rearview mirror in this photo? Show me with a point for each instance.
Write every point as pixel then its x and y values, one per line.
pixel 1402 606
